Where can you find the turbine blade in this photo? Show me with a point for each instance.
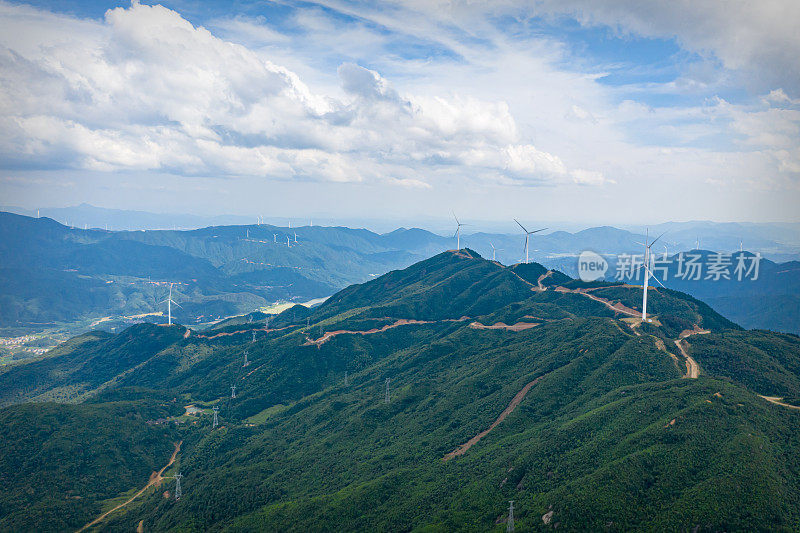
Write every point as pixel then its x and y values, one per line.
pixel 537 231
pixel 654 277
pixel 520 225
pixel 652 243
pixel 455 217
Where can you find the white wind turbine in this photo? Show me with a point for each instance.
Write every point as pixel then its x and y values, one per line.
pixel 647 264
pixel 169 301
pixel 494 252
pixel 457 234
pixel 527 236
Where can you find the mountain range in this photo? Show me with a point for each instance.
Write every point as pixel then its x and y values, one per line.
pixel 422 400
pixel 54 277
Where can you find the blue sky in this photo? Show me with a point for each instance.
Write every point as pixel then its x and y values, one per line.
pixel 577 110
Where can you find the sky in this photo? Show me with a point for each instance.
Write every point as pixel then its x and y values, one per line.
pixel 601 111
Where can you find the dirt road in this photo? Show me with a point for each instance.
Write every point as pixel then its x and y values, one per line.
pixel 692 368
pixel 777 401
pixel 399 322
pixel 519 326
pixel 461 450
pixel 155 479
pixel 618 307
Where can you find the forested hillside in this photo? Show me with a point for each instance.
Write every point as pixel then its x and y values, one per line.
pixel 427 398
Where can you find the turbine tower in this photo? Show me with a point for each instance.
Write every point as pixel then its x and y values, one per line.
pixel 647 264
pixel 697 243
pixel 510 522
pixel 216 418
pixel 169 301
pixel 457 234
pixel 288 242
pixel 295 236
pixel 527 236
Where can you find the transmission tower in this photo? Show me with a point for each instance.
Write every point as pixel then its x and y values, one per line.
pixel 216 418
pixel 254 337
pixel 387 390
pixel 308 322
pixel 510 523
pixel 233 391
pixel 178 492
pixel 246 362
pixel 345 378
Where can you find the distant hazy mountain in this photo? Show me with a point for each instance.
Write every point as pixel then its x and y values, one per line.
pixel 89 216
pixel 52 274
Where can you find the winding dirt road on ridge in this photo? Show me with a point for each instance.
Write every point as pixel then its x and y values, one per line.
pixel 155 479
pixel 328 335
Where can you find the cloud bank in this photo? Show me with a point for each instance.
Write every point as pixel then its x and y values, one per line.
pixel 146 90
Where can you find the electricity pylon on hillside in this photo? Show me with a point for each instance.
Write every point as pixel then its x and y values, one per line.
pixel 387 390
pixel 178 491
pixel 510 522
pixel 215 423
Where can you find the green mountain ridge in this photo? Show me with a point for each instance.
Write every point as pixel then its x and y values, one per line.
pixel 606 433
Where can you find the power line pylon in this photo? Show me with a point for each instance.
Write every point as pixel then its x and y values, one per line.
pixel 510 523
pixel 178 492
pixel 233 391
pixel 387 390
pixel 216 418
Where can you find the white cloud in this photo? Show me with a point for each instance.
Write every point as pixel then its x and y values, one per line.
pixel 760 39
pixel 145 89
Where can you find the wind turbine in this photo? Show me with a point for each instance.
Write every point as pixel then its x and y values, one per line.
pixel 527 235
pixel 494 252
pixel 741 246
pixel 457 234
pixel 295 236
pixel 697 243
pixel 648 259
pixel 169 301
pixel 288 242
